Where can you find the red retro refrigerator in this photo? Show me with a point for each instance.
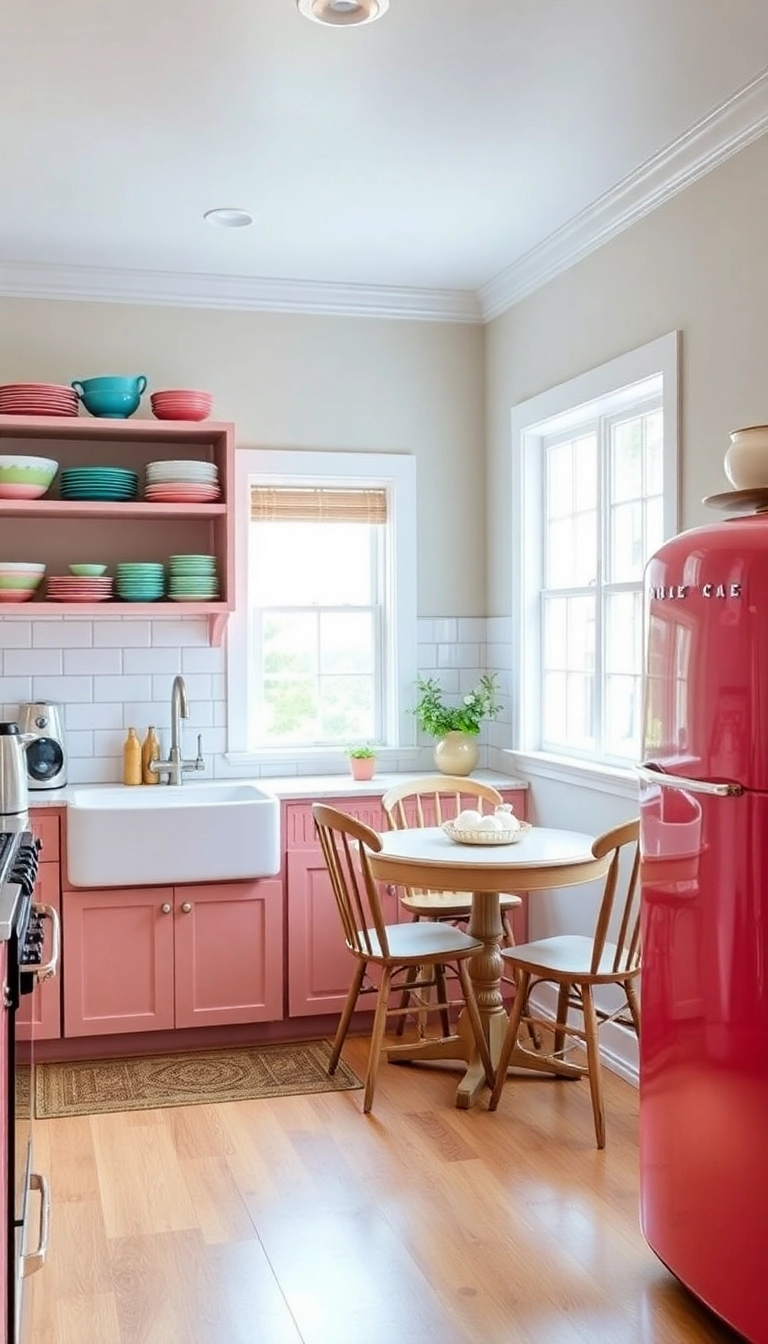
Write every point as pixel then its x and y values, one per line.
pixel 704 865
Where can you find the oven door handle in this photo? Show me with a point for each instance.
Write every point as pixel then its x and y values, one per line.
pixel 34 1260
pixel 49 969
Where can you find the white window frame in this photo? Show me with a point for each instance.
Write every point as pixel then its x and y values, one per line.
pixel 395 472
pixel 604 390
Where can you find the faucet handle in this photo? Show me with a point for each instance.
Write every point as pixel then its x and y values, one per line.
pixel 199 763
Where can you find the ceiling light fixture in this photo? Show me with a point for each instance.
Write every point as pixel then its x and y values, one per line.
pixel 227 218
pixel 343 13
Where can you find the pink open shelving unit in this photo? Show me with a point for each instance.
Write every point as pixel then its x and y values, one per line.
pixel 62 532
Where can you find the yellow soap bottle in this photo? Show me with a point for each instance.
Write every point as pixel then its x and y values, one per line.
pixel 150 751
pixel 132 758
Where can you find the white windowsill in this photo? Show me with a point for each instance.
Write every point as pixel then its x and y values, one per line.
pixel 583 774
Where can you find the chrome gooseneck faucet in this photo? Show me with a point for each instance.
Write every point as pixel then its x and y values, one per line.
pixel 175 767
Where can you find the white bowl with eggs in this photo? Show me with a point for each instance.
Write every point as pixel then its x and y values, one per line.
pixel 501 827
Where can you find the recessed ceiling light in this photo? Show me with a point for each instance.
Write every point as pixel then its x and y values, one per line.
pixel 227 218
pixel 343 13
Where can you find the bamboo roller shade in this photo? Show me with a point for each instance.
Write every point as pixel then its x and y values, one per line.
pixel 317 505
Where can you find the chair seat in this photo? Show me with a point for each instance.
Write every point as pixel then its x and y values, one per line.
pixel 413 942
pixel 569 956
pixel 444 904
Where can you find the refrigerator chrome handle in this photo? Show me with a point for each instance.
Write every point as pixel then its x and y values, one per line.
pixel 31 1261
pixel 652 774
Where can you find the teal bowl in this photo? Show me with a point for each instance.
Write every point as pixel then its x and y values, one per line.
pixel 111 398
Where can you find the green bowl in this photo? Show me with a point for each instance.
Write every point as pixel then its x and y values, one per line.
pixel 18 581
pixel 87 569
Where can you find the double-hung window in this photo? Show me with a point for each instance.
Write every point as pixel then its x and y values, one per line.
pixel 597 479
pixel 324 639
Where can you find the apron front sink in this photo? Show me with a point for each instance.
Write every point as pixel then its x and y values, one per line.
pixel 169 834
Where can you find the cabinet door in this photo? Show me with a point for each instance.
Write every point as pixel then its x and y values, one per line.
pixel 320 967
pixel 40 1012
pixel 229 953
pixel 118 969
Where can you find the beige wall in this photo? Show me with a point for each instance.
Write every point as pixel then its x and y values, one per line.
pixel 303 382
pixel 699 264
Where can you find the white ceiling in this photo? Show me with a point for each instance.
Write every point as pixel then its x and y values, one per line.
pixel 432 150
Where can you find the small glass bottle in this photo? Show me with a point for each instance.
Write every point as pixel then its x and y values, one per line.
pixel 132 758
pixel 150 751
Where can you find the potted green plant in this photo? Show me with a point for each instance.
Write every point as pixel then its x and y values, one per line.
pixel 456 726
pixel 362 761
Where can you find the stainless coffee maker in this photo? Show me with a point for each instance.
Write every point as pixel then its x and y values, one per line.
pixel 46 750
pixel 13 770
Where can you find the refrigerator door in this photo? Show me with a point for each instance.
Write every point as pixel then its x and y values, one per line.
pixel 704 1039
pixel 706 672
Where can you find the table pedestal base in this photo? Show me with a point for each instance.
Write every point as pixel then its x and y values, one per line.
pixel 485 968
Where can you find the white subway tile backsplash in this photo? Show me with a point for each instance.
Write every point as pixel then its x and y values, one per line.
pixel 32 662
pixel 202 660
pixel 15 634
pixel 80 743
pixel 111 743
pixel 122 634
pixel 15 690
pixel 180 634
pixel 118 673
pixel 96 770
pixel 92 716
pixel 96 662
pixel 152 660
pixel 122 688
pixel 62 634
pixel 62 690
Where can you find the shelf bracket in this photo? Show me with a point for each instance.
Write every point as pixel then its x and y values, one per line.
pixel 216 626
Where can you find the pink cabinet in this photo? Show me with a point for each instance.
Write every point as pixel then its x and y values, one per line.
pixel 319 966
pixel 229 953
pixel 156 958
pixel 5 1194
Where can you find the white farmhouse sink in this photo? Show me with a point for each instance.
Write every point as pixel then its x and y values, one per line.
pixel 167 834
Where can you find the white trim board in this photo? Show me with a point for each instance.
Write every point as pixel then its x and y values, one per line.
pixel 724 131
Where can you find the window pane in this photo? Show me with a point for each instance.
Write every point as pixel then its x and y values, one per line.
pixel 654 459
pixel 553 707
pixel 559 471
pixel 622 716
pixel 346 642
pixel 298 564
pixel 289 644
pixel 626 460
pixel 654 526
pixel 584 571
pixel 627 554
pixel 581 634
pixel 346 708
pixel 623 632
pixel 555 634
pixel 585 492
pixel 579 697
pixel 560 554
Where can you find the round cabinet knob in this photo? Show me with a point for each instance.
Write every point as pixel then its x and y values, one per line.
pixel 186 907
pixel 166 908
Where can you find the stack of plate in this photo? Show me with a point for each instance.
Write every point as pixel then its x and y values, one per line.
pixel 37 399
pixel 140 581
pixel 193 578
pixel 108 483
pixel 181 403
pixel 182 482
pixel 71 588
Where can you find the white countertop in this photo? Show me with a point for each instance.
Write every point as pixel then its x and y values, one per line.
pixel 286 787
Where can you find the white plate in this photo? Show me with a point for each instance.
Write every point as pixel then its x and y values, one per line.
pixel 486 837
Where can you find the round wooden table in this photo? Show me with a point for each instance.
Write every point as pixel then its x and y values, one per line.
pixel 544 858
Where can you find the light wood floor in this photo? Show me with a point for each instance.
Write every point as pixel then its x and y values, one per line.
pixel 300 1221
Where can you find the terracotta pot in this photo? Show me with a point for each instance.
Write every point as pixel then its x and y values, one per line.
pixel 457 753
pixel 362 767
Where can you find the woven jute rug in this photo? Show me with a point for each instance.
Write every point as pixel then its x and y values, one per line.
pixel 140 1083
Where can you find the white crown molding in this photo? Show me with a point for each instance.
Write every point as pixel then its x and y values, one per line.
pixel 98 284
pixel 722 133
